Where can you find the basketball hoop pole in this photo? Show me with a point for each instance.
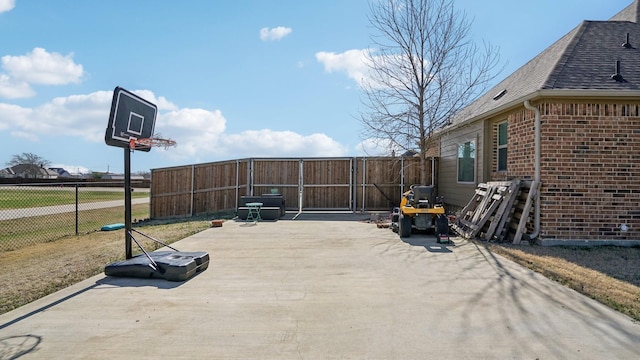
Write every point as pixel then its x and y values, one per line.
pixel 127 203
pixel 131 126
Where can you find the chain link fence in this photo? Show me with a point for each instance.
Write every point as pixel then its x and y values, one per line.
pixel 36 213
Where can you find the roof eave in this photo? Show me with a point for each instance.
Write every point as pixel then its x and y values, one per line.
pixel 563 93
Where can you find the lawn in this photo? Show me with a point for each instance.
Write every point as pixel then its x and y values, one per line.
pixel 21 232
pixel 28 197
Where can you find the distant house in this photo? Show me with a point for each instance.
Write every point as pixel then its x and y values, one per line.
pixel 569 118
pixel 32 171
pixel 7 173
pixel 62 173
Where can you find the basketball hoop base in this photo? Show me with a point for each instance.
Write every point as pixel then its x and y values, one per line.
pixel 169 265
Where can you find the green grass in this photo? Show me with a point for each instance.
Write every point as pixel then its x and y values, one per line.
pixel 21 198
pixel 17 233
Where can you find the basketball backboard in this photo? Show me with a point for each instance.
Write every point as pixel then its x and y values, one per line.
pixel 131 117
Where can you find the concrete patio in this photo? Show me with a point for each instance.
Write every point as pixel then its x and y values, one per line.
pixel 323 287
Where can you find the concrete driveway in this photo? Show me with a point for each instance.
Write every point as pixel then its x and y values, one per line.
pixel 309 289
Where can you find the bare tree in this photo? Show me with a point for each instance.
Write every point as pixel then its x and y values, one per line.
pixel 424 69
pixel 28 158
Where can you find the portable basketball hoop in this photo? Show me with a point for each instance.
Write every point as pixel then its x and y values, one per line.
pixel 131 127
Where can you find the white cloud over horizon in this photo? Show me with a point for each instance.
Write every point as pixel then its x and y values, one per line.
pixel 376 147
pixel 200 133
pixel 270 143
pixel 276 33
pixel 72 169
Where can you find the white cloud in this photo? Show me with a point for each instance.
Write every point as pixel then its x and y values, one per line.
pixel 24 135
pixel 11 89
pixel 7 5
pixel 12 116
pixel 200 133
pixel 357 65
pixel 197 131
pixel 83 116
pixel 377 147
pixel 276 33
pixel 161 102
pixel 42 67
pixel 269 143
pixel 72 169
pixel 352 62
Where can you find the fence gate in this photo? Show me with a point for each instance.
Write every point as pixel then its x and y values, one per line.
pixel 326 184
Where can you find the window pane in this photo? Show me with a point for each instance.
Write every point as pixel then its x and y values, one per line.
pixel 502 134
pixel 502 159
pixel 466 162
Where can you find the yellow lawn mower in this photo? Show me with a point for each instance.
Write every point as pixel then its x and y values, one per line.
pixel 421 210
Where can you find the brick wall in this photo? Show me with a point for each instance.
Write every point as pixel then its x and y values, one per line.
pixel 590 167
pixel 520 147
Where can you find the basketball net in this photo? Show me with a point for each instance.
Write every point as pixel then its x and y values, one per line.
pixel 144 143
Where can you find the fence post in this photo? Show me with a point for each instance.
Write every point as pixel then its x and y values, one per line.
pixel 364 182
pixel 237 184
pixel 300 184
pixel 193 179
pixel 77 210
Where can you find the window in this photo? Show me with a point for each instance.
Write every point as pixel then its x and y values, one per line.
pixel 467 162
pixel 502 146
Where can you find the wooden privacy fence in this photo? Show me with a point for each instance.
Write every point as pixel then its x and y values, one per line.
pixel 347 184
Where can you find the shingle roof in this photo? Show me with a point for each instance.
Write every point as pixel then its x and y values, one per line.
pixel 582 61
pixel 630 13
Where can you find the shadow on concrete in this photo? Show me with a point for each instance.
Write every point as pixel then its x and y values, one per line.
pixel 13 347
pixel 429 242
pixel 48 306
pixel 109 281
pixel 318 216
pixel 142 282
pixel 331 216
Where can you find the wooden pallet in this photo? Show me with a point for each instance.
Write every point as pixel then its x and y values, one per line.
pixel 534 188
pixel 482 206
pixel 488 213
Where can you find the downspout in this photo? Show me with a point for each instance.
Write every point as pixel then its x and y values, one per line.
pixel 536 179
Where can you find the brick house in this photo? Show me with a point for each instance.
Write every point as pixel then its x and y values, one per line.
pixel 582 97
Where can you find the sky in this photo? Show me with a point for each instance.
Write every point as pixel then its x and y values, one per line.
pixel 232 79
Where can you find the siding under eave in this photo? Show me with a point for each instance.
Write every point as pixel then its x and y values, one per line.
pixel 458 194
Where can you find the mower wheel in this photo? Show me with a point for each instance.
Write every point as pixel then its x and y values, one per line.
pixel 404 226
